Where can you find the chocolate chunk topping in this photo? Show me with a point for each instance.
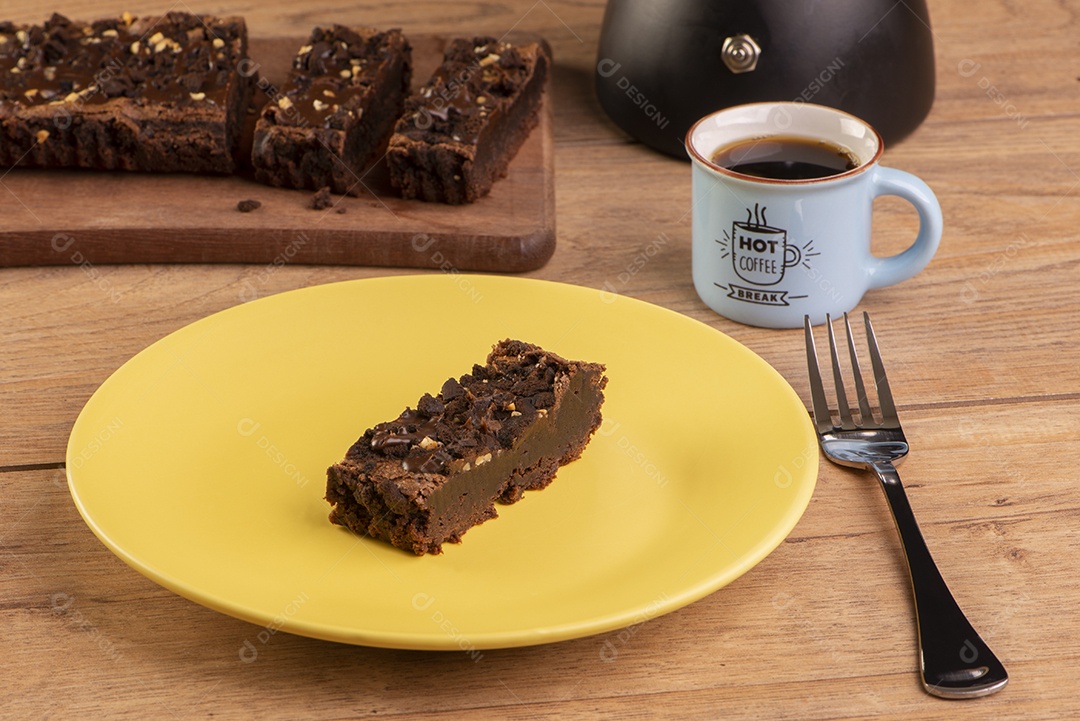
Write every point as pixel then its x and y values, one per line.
pixel 180 58
pixel 484 410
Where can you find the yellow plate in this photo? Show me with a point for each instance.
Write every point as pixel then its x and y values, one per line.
pixel 201 463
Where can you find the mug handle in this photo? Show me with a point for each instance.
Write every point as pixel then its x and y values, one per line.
pixel 891 270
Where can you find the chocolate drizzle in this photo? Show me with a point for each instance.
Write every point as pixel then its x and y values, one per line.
pixel 409 428
pixel 331 76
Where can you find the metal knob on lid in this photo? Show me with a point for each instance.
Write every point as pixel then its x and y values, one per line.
pixel 740 53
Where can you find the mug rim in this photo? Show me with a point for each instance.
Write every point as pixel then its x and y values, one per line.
pixel 709 165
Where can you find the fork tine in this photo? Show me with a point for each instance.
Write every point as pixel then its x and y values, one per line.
pixel 885 399
pixel 856 369
pixel 846 421
pixel 822 417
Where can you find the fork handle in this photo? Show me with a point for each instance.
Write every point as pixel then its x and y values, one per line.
pixel 956 662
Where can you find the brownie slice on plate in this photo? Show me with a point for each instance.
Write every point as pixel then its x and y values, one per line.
pixel 159 94
pixel 436 470
pixel 333 116
pixel 459 133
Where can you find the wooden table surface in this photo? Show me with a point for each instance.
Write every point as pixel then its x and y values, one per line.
pixel 981 348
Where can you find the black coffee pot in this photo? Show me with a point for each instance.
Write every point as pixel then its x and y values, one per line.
pixel 662 64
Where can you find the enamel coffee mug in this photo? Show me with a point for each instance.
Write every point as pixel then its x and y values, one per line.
pixel 782 203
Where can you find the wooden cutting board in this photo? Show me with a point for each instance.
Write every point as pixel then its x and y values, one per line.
pixel 61 217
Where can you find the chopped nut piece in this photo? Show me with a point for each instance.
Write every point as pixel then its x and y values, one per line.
pixel 31 92
pixel 318 104
pixel 428 443
pixel 346 73
pixel 218 43
pixel 135 48
pixel 329 93
pixel 50 73
pixel 304 49
pixel 481 460
pixel 71 97
pixel 156 38
pixel 515 414
pixel 489 59
pixel 198 96
pixel 542 411
pixel 127 17
pixel 480 100
pixel 284 103
pixel 42 135
pixel 109 33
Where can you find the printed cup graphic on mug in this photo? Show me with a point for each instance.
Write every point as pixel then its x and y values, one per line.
pixel 776 238
pixel 760 253
pixel 760 256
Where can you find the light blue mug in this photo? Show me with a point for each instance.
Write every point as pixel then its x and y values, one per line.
pixel 767 251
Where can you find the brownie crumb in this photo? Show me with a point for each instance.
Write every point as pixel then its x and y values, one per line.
pixel 246 206
pixel 342 210
pixel 322 200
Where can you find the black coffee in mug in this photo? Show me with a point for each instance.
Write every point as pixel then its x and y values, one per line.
pixel 786 158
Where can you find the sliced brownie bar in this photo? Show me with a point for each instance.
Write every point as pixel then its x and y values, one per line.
pixel 161 94
pixel 459 133
pixel 436 471
pixel 331 120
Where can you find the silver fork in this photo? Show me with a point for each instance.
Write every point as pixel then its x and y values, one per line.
pixel 955 661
